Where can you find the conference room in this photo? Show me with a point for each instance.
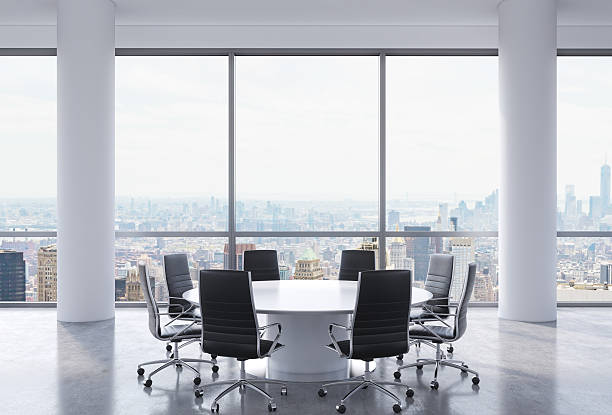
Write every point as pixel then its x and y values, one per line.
pixel 305 207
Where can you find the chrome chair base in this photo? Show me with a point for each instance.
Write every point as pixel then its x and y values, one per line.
pixel 440 360
pixel 242 384
pixel 175 360
pixel 362 382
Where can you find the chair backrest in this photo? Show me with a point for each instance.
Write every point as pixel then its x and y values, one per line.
pixel 176 269
pixel 382 311
pixel 462 307
pixel 149 298
pixel 353 261
pixel 439 280
pixel 263 264
pixel 229 322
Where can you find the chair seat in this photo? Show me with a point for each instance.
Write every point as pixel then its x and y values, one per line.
pixel 239 351
pixel 170 331
pixel 370 351
pixel 421 333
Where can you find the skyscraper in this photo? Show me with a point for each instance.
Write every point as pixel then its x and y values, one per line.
pixel 308 267
pixel 418 249
pixel 370 244
pixel 12 276
pixel 393 219
pixel 240 248
pixel 570 200
pixel 46 275
pixel 595 207
pixel 463 251
pixel 604 188
pixel 605 274
pixel 397 254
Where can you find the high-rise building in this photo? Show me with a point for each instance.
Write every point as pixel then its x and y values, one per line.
pixel 397 253
pixel 484 290
pixel 133 291
pixel 605 274
pixel 463 251
pixel 284 271
pixel 308 267
pixel 604 188
pixel 570 200
pixel 12 276
pixel 393 219
pixel 240 248
pixel 595 207
pixel 418 248
pixel 46 275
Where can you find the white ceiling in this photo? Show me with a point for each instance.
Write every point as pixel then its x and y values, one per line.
pixel 309 12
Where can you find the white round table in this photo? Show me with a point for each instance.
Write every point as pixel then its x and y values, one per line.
pixel 305 308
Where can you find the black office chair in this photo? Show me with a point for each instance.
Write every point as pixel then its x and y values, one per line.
pixel 438 282
pixel 353 261
pixel 445 333
pixel 178 280
pixel 379 329
pixel 263 264
pixel 173 333
pixel 230 329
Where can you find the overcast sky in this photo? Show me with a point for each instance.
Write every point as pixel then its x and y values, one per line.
pixel 306 127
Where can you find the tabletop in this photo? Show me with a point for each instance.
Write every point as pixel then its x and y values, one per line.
pixel 307 296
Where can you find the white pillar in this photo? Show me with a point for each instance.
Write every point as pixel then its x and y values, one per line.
pixel 85 159
pixel 528 197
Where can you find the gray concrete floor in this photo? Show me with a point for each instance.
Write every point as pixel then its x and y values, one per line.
pixel 57 368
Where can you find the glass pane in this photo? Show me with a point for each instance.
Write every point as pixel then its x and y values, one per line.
pixel 584 269
pixel 584 143
pixel 306 143
pixel 28 132
pixel 319 257
pixel 442 143
pixel 28 269
pixel 171 145
pixel 202 253
pixel 413 254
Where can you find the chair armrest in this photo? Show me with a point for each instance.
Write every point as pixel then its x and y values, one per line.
pixel 335 342
pixel 182 312
pixel 274 342
pixel 182 331
pixel 431 332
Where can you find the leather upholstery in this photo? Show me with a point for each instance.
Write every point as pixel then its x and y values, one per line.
pixel 454 333
pixel 380 321
pixel 228 316
pixel 263 265
pixel 176 268
pixel 158 332
pixel 353 261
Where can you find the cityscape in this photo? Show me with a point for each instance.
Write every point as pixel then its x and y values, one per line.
pixel 28 266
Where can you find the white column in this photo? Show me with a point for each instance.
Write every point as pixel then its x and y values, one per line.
pixel 85 159
pixel 528 198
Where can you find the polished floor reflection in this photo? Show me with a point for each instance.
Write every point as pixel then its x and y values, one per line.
pixel 56 368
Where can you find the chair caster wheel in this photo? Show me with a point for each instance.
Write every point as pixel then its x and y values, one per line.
pixel 434 384
pixel 169 347
pixel 284 391
pixel 475 380
pixel 215 368
pixel 397 374
pixel 140 371
pixel 197 380
pixel 322 392
pixel 409 393
pixel 450 349
pixel 148 383
pixel 400 357
pixel 214 408
pixel 397 409
pixel 419 367
pixel 199 393
pixel 341 408
pixel 271 407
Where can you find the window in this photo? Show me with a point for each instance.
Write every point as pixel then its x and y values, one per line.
pixel 306 143
pixel 28 132
pixel 171 143
pixel 442 143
